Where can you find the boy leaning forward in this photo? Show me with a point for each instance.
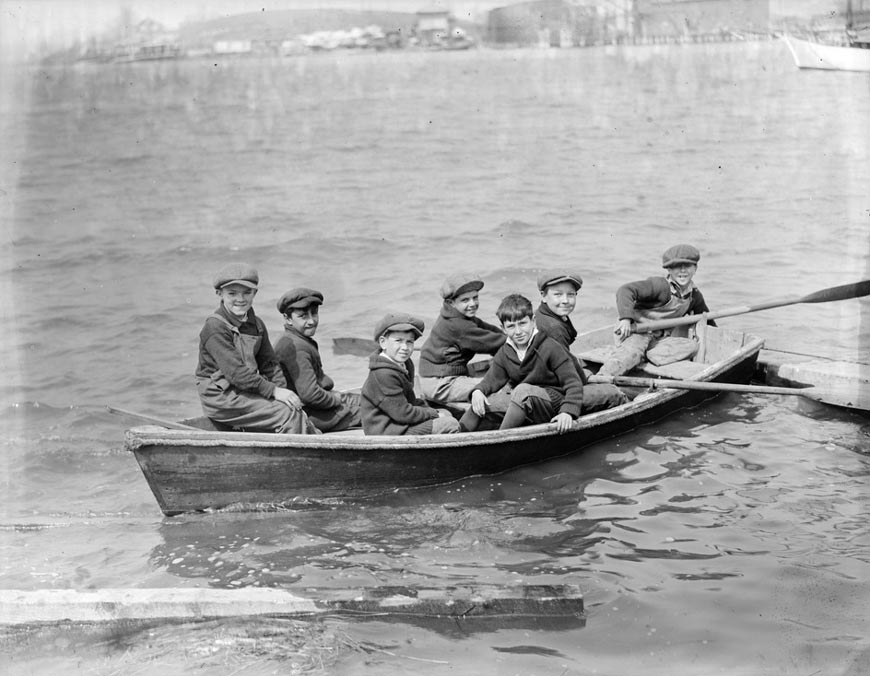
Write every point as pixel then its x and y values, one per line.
pixel 657 298
pixel 456 337
pixel 238 378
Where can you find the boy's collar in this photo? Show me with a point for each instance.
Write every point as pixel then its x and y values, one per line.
pixel 390 359
pixel 678 292
pixel 528 345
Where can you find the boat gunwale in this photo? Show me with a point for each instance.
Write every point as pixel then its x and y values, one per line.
pixel 140 437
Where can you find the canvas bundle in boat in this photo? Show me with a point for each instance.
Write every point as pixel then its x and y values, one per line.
pixel 671 349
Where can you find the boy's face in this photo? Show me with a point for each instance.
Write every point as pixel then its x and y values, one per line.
pixel 466 303
pixel 519 331
pixel 237 298
pixel 560 298
pixel 683 273
pixel 398 345
pixel 304 320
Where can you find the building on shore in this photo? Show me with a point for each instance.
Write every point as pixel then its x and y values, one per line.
pixel 577 23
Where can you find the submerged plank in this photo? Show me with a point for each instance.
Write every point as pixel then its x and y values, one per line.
pixel 55 606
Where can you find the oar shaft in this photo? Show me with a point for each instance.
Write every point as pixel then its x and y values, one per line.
pixel 661 383
pixel 151 419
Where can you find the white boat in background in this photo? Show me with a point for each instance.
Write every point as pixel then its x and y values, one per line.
pixel 809 54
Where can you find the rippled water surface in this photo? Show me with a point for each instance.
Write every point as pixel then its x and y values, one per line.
pixel 731 538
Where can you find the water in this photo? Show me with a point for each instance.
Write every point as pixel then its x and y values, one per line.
pixel 729 539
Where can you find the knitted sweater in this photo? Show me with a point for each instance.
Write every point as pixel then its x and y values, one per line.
pixel 651 293
pixel 546 364
pixel 454 340
pixel 561 330
pixel 300 361
pixel 388 404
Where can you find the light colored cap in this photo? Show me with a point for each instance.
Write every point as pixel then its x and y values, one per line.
pixel 398 321
pixel 237 273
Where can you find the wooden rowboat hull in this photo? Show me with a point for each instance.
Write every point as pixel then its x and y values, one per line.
pixel 194 471
pixel 818 55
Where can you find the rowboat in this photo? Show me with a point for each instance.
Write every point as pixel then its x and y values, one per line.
pixel 199 468
pixel 820 55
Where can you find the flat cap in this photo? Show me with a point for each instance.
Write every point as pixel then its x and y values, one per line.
pixel 398 321
pixel 459 283
pixel 298 298
pixel 555 275
pixel 679 254
pixel 237 273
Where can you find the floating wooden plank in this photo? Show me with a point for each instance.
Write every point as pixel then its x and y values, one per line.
pixel 482 602
pixel 848 383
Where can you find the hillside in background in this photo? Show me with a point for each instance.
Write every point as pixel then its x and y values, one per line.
pixel 279 25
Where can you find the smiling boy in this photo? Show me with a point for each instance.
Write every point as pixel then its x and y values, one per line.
pixel 238 378
pixel 299 356
pixel 559 288
pixel 457 336
pixel 657 298
pixel 543 382
pixel 389 404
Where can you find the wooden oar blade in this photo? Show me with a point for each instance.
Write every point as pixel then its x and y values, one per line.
pixel 151 420
pixel 857 397
pixel 843 292
pixel 358 347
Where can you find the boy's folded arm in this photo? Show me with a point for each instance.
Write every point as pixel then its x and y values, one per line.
pixel 307 387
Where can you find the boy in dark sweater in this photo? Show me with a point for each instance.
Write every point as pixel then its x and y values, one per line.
pixel 457 336
pixel 238 378
pixel 299 356
pixel 541 375
pixel 559 288
pixel 389 404
pixel 657 298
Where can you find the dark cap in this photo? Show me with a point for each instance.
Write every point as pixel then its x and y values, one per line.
pixel 399 322
pixel 237 273
pixel 298 298
pixel 679 254
pixel 555 275
pixel 460 283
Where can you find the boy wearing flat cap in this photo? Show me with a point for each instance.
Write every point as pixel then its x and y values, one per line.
pixel 389 404
pixel 559 287
pixel 457 336
pixel 238 377
pixel 657 298
pixel 299 356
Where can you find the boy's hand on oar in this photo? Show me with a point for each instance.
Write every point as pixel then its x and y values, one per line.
pixel 623 328
pixel 288 397
pixel 563 421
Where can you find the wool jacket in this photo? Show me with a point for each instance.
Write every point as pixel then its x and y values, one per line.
pixel 454 340
pixel 388 402
pixel 651 293
pixel 302 366
pixel 561 330
pixel 218 352
pixel 546 364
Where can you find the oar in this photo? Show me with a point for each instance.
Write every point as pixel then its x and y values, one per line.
pixel 358 347
pixel 152 420
pixel 834 293
pixel 824 395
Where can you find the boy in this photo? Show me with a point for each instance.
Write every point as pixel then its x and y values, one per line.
pixel 559 289
pixel 299 356
pixel 657 298
pixel 544 380
pixel 455 338
pixel 389 405
pixel 238 378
